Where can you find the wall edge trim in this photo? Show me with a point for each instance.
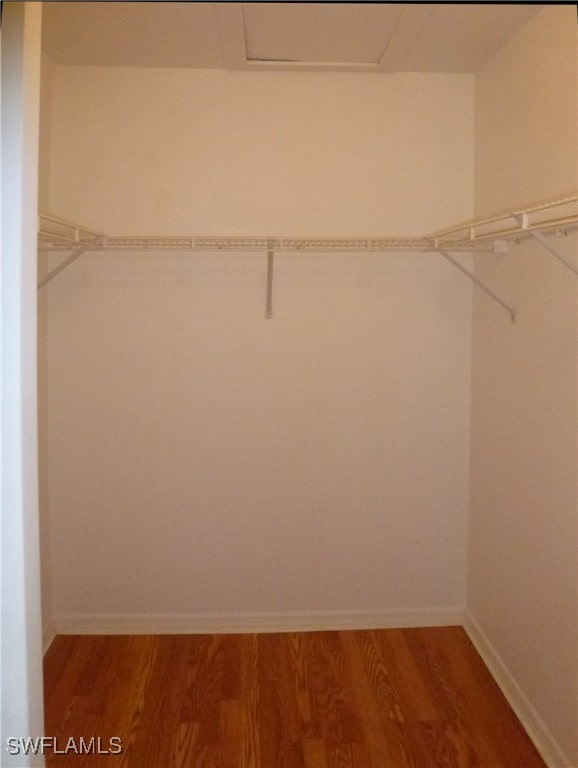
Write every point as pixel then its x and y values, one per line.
pixel 542 738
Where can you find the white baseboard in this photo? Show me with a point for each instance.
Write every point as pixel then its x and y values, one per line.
pixel 222 623
pixel 543 740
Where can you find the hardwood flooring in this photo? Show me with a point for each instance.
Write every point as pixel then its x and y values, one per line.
pixel 396 698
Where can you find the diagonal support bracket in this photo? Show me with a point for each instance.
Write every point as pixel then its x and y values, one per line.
pixel 542 240
pixel 269 305
pixel 476 281
pixel 62 266
pixel 524 224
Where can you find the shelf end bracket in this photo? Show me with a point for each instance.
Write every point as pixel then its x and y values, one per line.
pixel 545 244
pixel 269 304
pixel 476 281
pixel 63 264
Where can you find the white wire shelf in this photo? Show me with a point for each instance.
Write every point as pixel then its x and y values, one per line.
pixel 487 235
pixel 558 214
pixel 65 240
pixel 278 244
pixel 58 234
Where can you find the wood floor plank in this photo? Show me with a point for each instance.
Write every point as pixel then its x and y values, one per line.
pixel 314 753
pixel 484 709
pixel 280 741
pixel 451 693
pixel 231 736
pixel 310 728
pixel 63 666
pixel 376 700
pixel 410 698
pixel 249 700
pixel 331 695
pixel 406 675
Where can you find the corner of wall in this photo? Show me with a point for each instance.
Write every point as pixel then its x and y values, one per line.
pixel 523 481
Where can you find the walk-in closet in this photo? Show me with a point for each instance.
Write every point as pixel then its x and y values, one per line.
pixel 307 367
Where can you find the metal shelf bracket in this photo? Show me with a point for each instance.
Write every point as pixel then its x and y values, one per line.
pixel 63 264
pixel 269 304
pixel 524 223
pixel 476 281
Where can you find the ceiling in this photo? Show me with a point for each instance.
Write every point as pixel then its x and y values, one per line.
pixel 372 37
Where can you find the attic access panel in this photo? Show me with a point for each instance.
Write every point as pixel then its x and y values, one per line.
pixel 334 34
pixel 319 36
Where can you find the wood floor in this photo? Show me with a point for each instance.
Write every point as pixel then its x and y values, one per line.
pixel 407 698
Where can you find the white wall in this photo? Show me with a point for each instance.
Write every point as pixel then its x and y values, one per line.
pixel 522 588
pixel 214 152
pixel 21 677
pixel 203 459
pixel 526 116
